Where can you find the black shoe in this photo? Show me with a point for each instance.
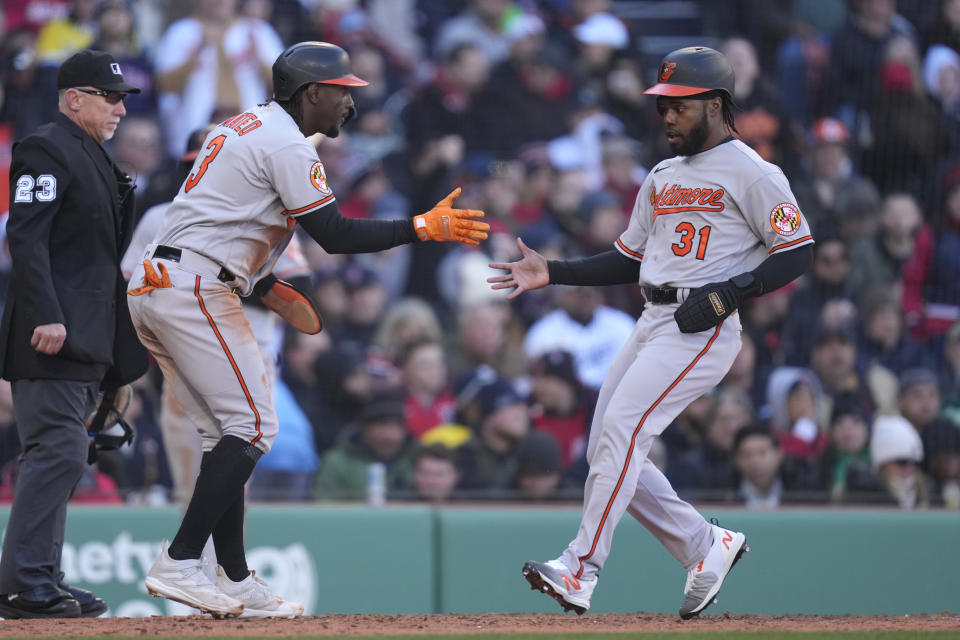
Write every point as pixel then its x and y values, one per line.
pixel 44 601
pixel 90 605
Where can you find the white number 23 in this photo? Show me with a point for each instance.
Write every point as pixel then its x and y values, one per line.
pixel 46 186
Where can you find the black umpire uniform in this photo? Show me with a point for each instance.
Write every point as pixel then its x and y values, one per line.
pixel 71 217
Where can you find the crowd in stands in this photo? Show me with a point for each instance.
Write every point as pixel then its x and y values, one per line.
pixel 428 385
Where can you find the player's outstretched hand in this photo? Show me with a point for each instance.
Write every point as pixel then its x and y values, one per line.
pixel 526 274
pixel 443 223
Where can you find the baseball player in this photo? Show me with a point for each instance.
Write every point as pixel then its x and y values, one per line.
pixel 711 227
pixel 255 179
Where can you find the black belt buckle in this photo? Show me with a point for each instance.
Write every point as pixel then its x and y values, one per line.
pixel 661 295
pixel 225 275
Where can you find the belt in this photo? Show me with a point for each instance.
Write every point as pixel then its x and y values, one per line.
pixel 171 253
pixel 661 295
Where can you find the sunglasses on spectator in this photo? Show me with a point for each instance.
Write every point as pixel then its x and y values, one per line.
pixel 112 97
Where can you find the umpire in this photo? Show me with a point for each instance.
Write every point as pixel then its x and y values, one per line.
pixel 66 331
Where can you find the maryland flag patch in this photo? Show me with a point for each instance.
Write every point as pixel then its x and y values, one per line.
pixel 785 219
pixel 319 178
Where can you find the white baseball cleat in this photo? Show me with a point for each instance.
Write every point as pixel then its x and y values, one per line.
pixel 186 582
pixel 257 600
pixel 704 580
pixel 554 579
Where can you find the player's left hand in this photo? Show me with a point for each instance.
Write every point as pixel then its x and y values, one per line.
pixel 528 273
pixel 707 306
pixel 443 223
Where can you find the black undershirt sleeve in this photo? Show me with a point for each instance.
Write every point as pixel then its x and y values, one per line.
pixel 337 234
pixel 609 267
pixel 782 268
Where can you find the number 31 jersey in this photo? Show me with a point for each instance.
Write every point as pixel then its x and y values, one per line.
pixel 255 173
pixel 710 216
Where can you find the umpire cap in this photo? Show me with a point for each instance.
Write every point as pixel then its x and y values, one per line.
pixel 308 62
pixel 693 70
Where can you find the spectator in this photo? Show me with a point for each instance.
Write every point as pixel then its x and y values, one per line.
pixel 61 38
pixel 380 435
pixel 919 398
pixel 138 150
pixel 907 126
pixel 686 433
pixel 896 451
pixel 602 218
pixel 708 470
pixel 117 35
pixel 931 298
pixel 853 75
pixel 539 469
pixel 490 458
pixel 560 405
pixel 541 95
pixel 763 320
pixel 945 29
pixel 585 327
pixel 764 122
pixel 442 111
pixel 624 174
pixel 796 412
pixel 287 473
pixel 834 359
pixel 743 372
pixel 435 473
pixel 878 260
pixel 941 77
pixel 950 374
pixel 481 24
pixel 366 303
pixel 428 400
pixel 27 99
pixel 481 336
pixel 406 321
pixel 211 65
pixel 607 63
pixel 829 278
pixel 846 472
pixel 883 339
pixel 829 185
pixel 941 453
pixel 766 477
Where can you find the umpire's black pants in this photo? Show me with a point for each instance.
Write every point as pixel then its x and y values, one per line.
pixel 53 444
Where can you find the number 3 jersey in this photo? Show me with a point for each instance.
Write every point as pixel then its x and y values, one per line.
pixel 255 173
pixel 710 216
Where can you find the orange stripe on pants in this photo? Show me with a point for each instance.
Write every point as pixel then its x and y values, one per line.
pixel 233 363
pixel 633 438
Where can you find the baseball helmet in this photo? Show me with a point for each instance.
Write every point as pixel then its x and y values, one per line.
pixel 307 62
pixel 693 70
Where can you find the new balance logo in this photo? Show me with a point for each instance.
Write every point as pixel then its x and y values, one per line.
pixel 727 539
pixel 570 583
pixel 700 566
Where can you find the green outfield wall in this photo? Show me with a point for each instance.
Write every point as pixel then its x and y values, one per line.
pixel 415 559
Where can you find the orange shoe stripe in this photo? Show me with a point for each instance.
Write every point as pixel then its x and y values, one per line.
pixel 233 363
pixel 633 439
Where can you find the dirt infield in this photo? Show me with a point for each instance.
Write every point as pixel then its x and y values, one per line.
pixel 363 625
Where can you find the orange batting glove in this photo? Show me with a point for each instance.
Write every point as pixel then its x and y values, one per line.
pixel 443 223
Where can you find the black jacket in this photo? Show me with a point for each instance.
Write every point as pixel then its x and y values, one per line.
pixel 71 217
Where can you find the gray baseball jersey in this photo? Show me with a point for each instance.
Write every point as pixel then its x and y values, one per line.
pixel 710 216
pixel 237 209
